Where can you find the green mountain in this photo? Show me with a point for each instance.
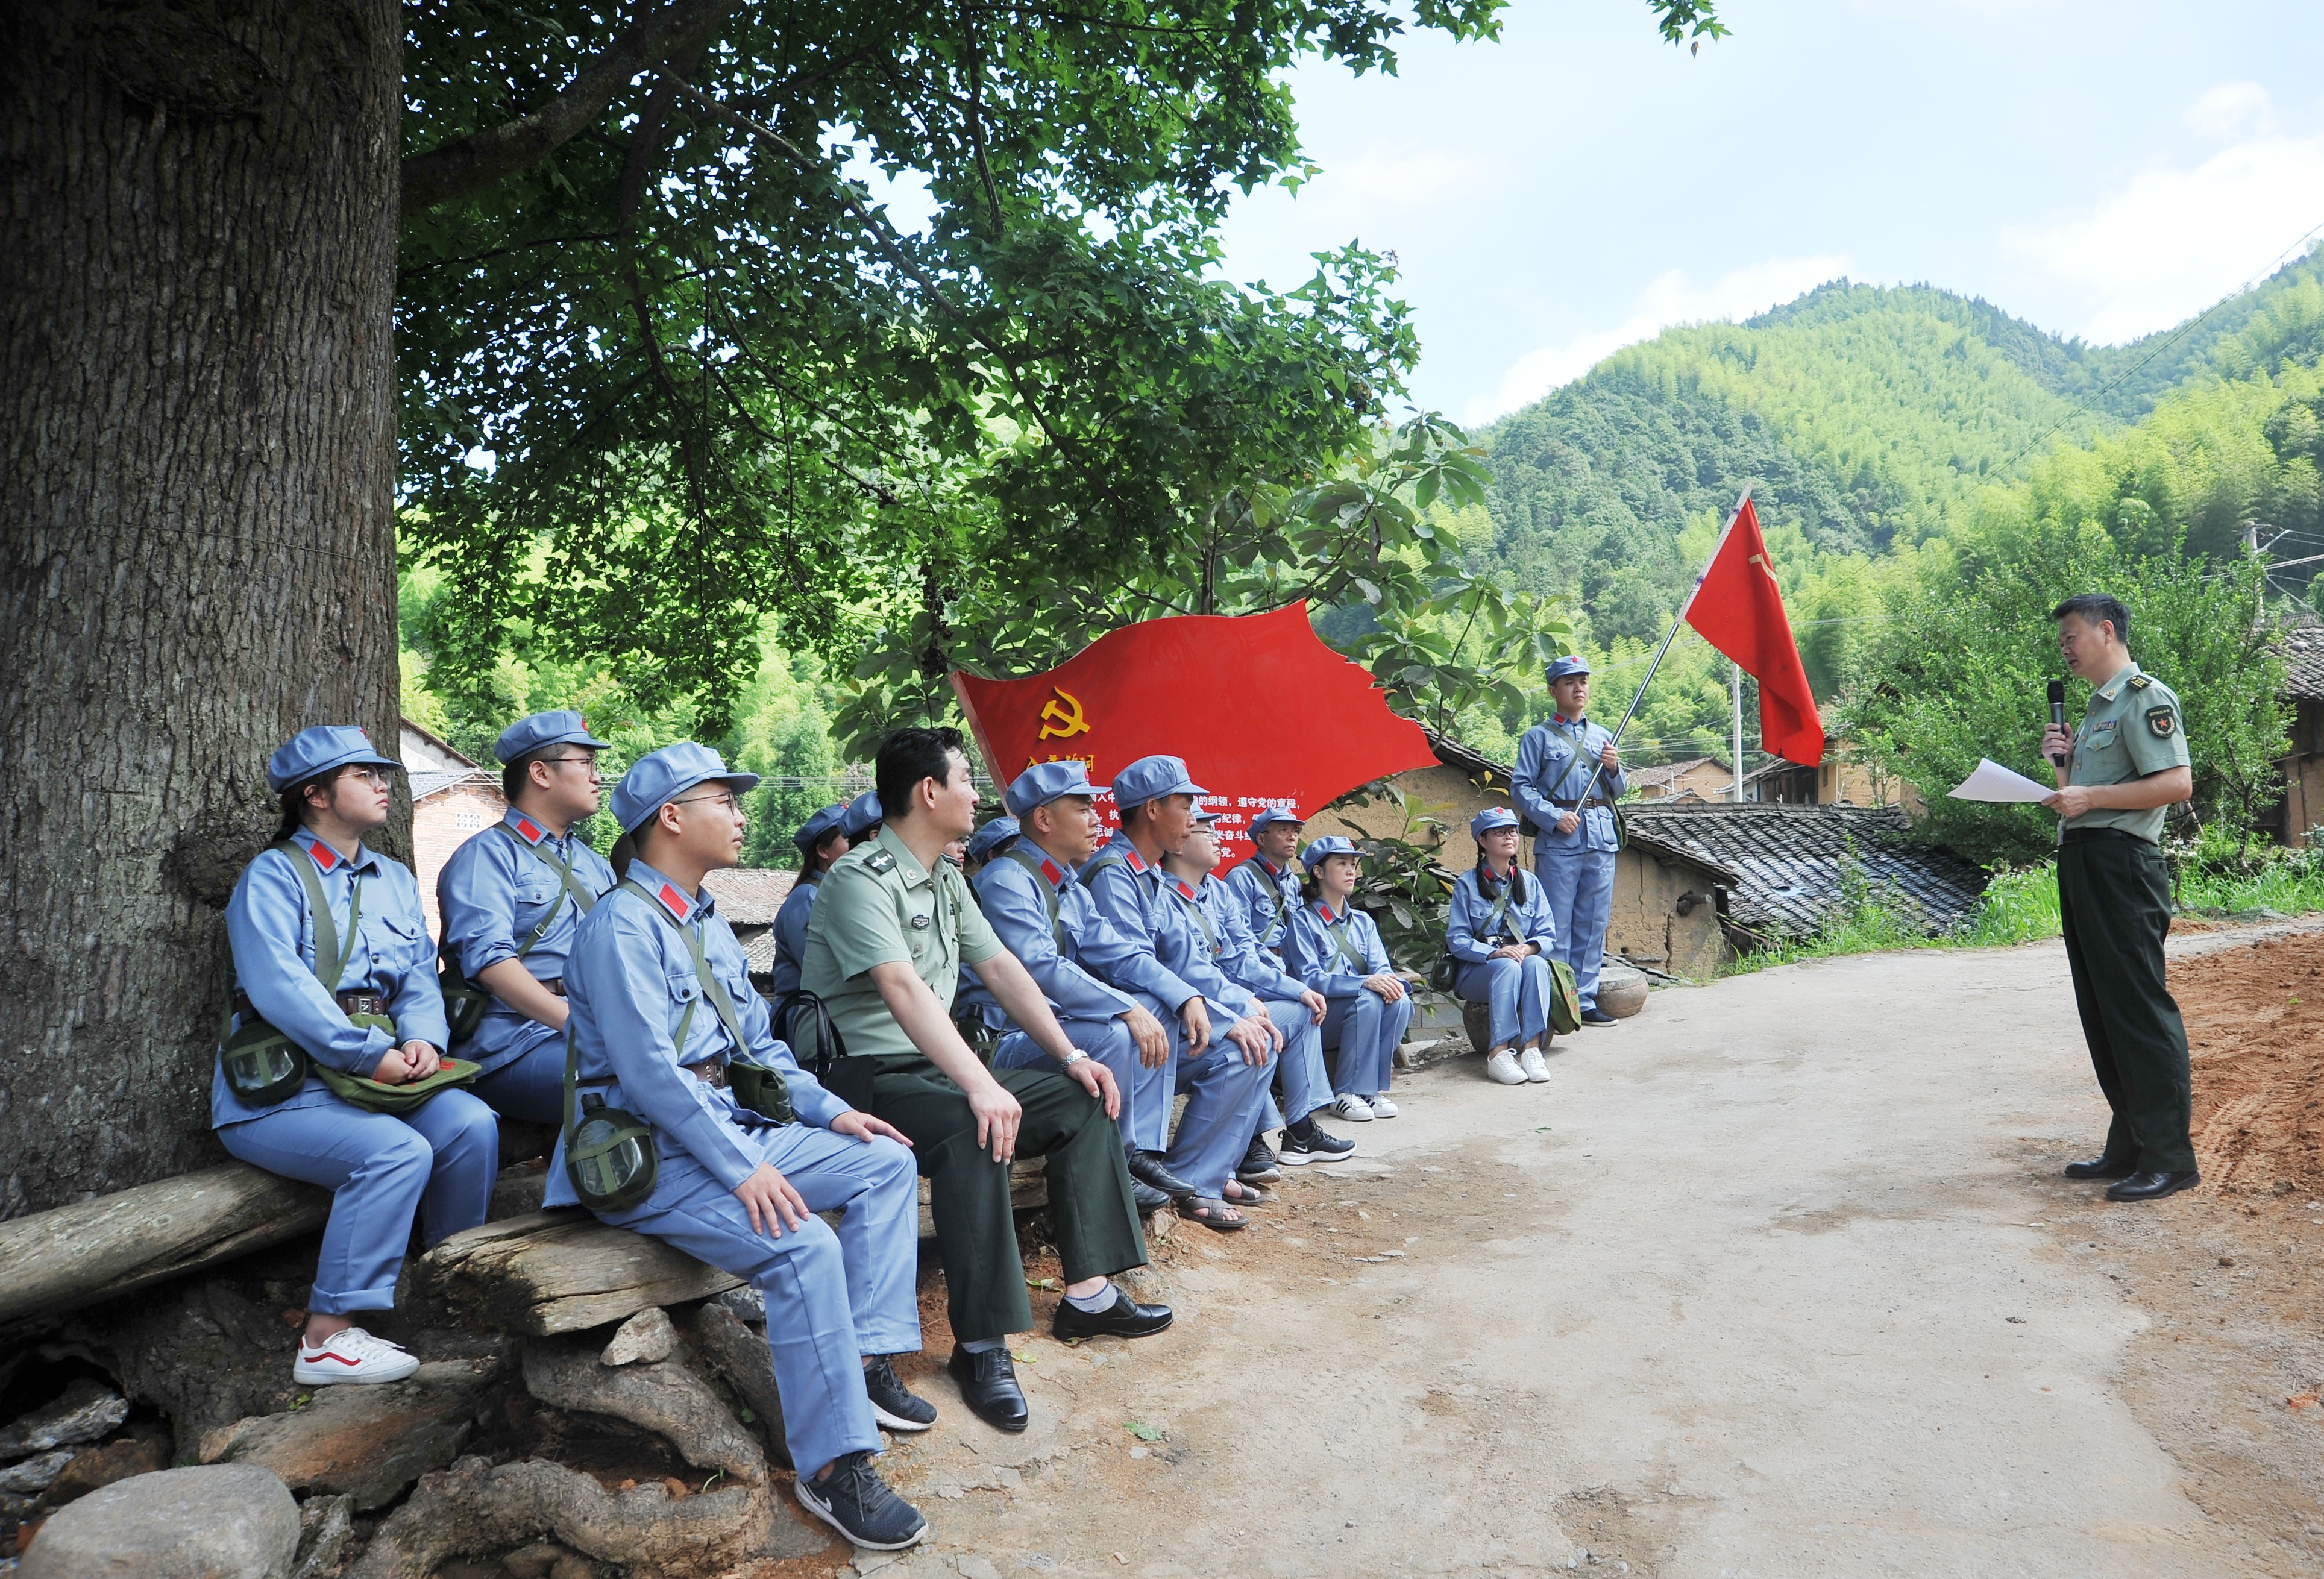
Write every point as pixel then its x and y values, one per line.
pixel 1867 418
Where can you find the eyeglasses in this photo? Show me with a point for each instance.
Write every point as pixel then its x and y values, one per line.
pixel 375 777
pixel 586 759
pixel 732 806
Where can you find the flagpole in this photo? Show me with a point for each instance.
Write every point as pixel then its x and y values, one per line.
pixel 1668 636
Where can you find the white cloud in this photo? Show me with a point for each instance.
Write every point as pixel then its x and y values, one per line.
pixel 2174 241
pixel 2233 109
pixel 1671 298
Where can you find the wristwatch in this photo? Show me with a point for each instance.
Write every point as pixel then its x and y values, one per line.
pixel 1071 1058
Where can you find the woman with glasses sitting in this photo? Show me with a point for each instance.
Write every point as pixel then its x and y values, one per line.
pixel 1503 933
pixel 330 1067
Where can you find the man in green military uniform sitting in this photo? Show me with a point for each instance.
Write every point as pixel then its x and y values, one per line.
pixel 893 925
pixel 2119 770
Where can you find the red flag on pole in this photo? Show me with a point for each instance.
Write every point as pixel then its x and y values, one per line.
pixel 1738 608
pixel 1264 714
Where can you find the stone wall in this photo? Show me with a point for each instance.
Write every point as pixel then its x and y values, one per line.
pixel 1646 925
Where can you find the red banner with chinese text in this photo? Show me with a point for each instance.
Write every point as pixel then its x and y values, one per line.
pixel 1264 714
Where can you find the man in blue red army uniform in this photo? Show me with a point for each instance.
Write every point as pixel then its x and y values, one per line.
pixel 664 1023
pixel 1221 1040
pixel 1574 835
pixel 820 840
pixel 1267 885
pixel 1104 988
pixel 512 898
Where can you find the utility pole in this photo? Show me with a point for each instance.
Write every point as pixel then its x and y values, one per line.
pixel 2259 606
pixel 1737 675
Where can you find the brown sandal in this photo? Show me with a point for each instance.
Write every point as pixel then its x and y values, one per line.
pixel 1217 1215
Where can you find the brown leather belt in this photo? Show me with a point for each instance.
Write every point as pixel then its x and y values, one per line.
pixel 556 985
pixel 1578 804
pixel 710 1072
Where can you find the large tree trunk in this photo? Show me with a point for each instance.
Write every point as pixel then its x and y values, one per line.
pixel 197 531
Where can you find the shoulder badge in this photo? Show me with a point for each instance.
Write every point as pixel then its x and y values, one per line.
pixel 2162 720
pixel 880 863
pixel 2139 682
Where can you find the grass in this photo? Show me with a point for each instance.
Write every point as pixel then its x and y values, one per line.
pixel 2022 906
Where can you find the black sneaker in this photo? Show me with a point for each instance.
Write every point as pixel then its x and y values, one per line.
pixel 1257 1164
pixel 1597 1017
pixel 1308 1141
pixel 895 1405
pixel 856 1502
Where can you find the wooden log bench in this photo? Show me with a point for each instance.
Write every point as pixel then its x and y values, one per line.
pixel 562 1270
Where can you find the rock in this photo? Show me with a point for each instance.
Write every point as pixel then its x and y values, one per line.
pixel 1622 989
pixel 1145 1283
pixel 537 1561
pixel 198 1350
pixel 94 1467
pixel 663 1397
pixel 36 1474
pixel 570 1566
pixel 213 1521
pixel 977 1568
pixel 645 1336
pixel 738 1355
pixel 745 1302
pixel 325 1526
pixel 368 1441
pixel 86 1411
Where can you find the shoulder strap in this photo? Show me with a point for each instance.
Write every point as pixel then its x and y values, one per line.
pixel 1274 892
pixel 1342 937
pixel 564 870
pixel 1101 860
pixel 1032 862
pixel 1192 908
pixel 327 930
pixel 712 987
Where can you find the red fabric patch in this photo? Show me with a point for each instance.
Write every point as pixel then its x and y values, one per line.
pixel 1181 884
pixel 1325 910
pixel 676 901
pixel 1129 855
pixel 524 826
pixel 1049 869
pixel 325 856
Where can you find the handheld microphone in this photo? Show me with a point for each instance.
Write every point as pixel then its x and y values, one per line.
pixel 2058 716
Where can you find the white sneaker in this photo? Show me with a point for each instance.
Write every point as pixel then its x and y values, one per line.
pixel 1354 1109
pixel 351 1355
pixel 1382 1108
pixel 1535 1066
pixel 1502 1068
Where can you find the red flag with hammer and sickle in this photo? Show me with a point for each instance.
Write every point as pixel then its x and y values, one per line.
pixel 1740 610
pixel 1263 713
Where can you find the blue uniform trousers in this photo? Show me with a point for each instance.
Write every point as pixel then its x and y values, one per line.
pixel 1225 1096
pixel 1364 1032
pixel 1145 1093
pixel 832 1297
pixel 1299 1068
pixel 530 1085
pixel 1581 888
pixel 437 1161
pixel 1518 991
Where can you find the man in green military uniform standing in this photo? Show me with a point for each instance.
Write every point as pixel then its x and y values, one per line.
pixel 2122 767
pixel 893 925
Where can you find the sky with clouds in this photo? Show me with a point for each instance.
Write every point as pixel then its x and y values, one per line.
pixel 2101 169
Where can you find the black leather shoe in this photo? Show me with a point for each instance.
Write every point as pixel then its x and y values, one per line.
pixel 1597 1017
pixel 988 1386
pixel 1146 1197
pixel 1124 1319
pixel 2152 1186
pixel 1146 1169
pixel 2100 1167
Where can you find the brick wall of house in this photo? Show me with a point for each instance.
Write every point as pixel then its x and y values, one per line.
pixel 444 821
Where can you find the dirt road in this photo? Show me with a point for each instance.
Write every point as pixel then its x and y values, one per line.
pixel 1776 1280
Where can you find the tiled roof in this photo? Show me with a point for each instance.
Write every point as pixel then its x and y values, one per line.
pixel 1789 860
pixel 758 947
pixel 1663 775
pixel 2304 660
pixel 749 896
pixel 427 782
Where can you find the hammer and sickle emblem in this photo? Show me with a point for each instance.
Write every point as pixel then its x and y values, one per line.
pixel 1057 723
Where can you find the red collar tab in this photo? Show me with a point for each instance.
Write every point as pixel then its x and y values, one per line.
pixel 1130 853
pixel 1568 723
pixel 1049 869
pixel 1181 884
pixel 1270 867
pixel 679 905
pixel 1323 909
pixel 532 835
pixel 325 856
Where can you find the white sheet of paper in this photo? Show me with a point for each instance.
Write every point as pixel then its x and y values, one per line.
pixel 1992 781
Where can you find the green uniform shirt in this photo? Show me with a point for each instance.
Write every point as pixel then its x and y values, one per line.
pixel 2132 727
pixel 877 904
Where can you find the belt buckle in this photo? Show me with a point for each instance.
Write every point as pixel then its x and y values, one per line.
pixel 710 1072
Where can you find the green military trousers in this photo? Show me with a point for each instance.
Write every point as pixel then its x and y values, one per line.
pixel 1090 1202
pixel 2114 896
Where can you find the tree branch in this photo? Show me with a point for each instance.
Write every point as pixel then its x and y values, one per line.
pixel 455 170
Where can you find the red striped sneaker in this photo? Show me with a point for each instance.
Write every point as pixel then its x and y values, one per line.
pixel 351 1355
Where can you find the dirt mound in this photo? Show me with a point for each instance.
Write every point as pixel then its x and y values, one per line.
pixel 2255 1029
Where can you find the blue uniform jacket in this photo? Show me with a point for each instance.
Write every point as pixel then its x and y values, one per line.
pixel 272 936
pixel 1555 762
pixel 1130 894
pixel 1239 956
pixel 492 894
pixel 1267 895
pixel 630 981
pixel 790 934
pixel 1075 965
pixel 1527 920
pixel 1313 954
